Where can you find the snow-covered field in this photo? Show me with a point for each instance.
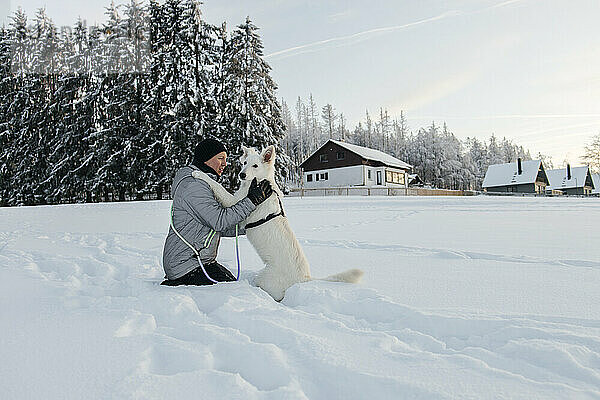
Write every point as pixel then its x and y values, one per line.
pixel 463 298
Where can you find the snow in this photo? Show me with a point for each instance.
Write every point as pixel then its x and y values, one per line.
pixel 374 155
pixel 463 298
pixel 507 174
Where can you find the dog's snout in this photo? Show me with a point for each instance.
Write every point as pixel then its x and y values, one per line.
pixel 242 175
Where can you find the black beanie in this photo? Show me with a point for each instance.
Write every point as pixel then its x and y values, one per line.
pixel 207 149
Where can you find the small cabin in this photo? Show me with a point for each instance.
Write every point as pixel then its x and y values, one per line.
pixel 341 164
pixel 516 177
pixel 571 180
pixel 414 180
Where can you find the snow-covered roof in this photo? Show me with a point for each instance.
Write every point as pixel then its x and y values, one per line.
pixel 373 155
pixel 507 174
pixel 558 178
pixel 596 180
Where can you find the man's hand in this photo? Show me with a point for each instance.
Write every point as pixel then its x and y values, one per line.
pixel 259 192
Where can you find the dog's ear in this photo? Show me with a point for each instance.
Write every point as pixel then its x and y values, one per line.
pixel 245 150
pixel 268 155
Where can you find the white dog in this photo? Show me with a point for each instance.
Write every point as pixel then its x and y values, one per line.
pixel 268 229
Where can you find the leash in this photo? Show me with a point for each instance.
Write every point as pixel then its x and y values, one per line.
pixel 207 243
pixel 268 217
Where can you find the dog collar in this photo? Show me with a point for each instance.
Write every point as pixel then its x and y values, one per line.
pixel 268 217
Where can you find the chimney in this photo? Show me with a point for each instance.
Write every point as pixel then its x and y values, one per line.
pixel 568 172
pixel 519 166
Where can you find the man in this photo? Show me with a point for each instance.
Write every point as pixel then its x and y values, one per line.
pixel 201 220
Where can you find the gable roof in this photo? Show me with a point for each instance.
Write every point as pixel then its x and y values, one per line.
pixel 373 155
pixel 558 178
pixel 507 174
pixel 414 178
pixel 596 180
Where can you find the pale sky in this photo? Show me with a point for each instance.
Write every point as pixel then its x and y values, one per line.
pixel 528 70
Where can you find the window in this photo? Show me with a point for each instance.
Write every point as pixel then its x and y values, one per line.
pixel 394 177
pixel 369 175
pixel 324 176
pixel 317 177
pixel 323 158
pixel 340 155
pixel 308 177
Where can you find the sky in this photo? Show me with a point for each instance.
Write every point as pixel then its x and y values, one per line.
pixel 527 70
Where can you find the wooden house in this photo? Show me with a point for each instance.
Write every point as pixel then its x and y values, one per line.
pixel 571 180
pixel 516 177
pixel 341 164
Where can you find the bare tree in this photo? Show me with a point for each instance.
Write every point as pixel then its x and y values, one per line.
pixel 592 153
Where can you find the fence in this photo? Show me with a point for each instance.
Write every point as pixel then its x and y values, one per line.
pixel 377 191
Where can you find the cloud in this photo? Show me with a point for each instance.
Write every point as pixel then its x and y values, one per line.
pixel 315 46
pixel 424 95
pixel 505 3
pixel 348 39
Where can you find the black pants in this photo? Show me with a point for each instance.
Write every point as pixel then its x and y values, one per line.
pixel 196 276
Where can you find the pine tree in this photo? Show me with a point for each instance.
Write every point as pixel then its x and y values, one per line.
pixel 313 126
pixel 134 85
pixel 329 117
pixel 6 135
pixel 251 115
pixel 300 149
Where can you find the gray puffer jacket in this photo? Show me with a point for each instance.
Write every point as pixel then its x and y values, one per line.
pixel 198 216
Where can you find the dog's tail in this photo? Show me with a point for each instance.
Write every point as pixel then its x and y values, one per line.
pixel 350 276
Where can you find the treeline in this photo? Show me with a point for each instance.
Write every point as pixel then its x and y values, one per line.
pixel 438 156
pixel 110 112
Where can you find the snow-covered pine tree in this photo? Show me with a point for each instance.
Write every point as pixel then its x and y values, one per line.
pixel 205 56
pixel 288 142
pixel 401 137
pixel 300 148
pixel 329 117
pixel 478 155
pixel 314 132
pixel 155 104
pixel 384 128
pixel 110 137
pixel 368 129
pixel 6 136
pixel 71 158
pixel 177 44
pixel 494 153
pixel 134 86
pixel 251 115
pixel 359 135
pixel 17 105
pixel 37 133
pixel 451 161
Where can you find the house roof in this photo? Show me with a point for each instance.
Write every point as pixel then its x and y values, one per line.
pixel 414 177
pixel 558 178
pixel 373 155
pixel 596 180
pixel 507 174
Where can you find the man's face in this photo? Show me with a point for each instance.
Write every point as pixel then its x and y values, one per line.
pixel 218 162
